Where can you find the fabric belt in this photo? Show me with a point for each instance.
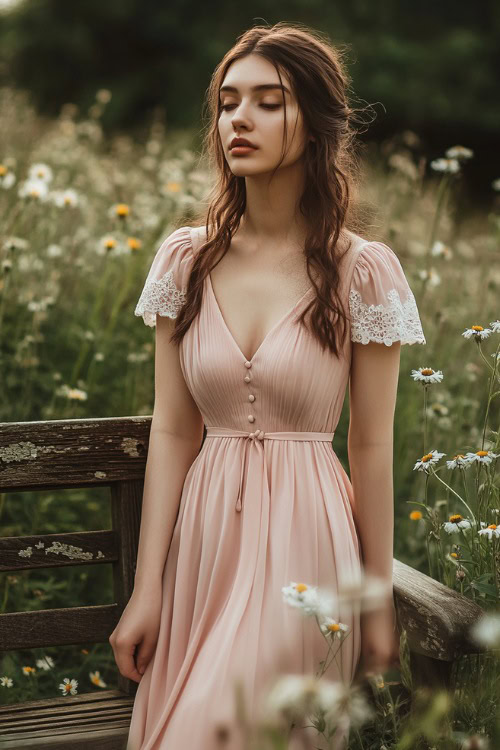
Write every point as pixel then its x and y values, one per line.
pixel 257 439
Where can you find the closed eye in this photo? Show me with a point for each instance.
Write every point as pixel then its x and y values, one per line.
pixel 266 106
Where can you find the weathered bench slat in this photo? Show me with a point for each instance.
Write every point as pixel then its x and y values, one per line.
pixel 436 618
pixel 58 627
pixel 68 721
pixel 59 550
pixel 60 704
pixel 68 717
pixel 113 738
pixel 72 452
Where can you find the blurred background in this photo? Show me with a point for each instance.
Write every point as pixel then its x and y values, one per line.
pixel 432 66
pixel 101 124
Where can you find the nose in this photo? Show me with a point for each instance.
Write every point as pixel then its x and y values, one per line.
pixel 240 119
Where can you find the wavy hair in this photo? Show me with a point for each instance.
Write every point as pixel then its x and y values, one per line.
pixel 319 81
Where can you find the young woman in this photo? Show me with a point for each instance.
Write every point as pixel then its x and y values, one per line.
pixel 265 501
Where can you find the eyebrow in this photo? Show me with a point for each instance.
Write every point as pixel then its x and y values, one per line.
pixel 258 87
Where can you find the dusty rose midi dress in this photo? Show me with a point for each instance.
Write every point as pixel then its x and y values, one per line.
pixel 265 502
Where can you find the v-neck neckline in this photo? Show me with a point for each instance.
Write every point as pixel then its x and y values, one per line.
pixel 268 334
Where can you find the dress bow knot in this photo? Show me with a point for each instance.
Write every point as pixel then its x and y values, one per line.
pixel 255 469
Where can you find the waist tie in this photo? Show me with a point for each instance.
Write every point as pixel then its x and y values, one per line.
pixel 257 439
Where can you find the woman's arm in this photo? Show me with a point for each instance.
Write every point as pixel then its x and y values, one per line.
pixel 372 401
pixel 175 440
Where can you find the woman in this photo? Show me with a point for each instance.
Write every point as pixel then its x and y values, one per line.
pixel 266 501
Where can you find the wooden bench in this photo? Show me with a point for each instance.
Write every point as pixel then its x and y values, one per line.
pixel 78 453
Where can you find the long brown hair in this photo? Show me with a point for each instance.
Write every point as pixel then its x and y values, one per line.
pixel 319 81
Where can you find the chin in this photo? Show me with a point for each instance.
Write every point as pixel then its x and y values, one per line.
pixel 245 170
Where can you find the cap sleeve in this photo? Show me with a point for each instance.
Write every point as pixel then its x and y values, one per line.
pixel 164 291
pixel 381 304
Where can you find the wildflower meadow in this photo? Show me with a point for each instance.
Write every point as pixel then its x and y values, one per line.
pixel 82 215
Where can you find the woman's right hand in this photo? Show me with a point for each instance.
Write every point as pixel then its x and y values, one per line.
pixel 135 637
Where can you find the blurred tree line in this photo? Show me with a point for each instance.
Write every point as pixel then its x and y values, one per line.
pixel 432 66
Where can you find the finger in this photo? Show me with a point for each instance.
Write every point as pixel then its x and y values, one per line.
pixel 124 657
pixel 144 655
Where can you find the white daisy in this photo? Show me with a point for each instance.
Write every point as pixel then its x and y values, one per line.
pixel 332 628
pixel 72 394
pixel 54 251
pixel 68 686
pixel 41 171
pixel 431 276
pixel 482 457
pixel 495 326
pixel 428 460
pixel 427 375
pixel 300 595
pixel 7 180
pixel 96 679
pixel 450 166
pixel 45 662
pixel 308 599
pixel 15 243
pixel 459 152
pixel 455 523
pixel 329 698
pixel 6 682
pixel 351 704
pixel 301 696
pixel 63 198
pixel 491 530
pixel 33 188
pixel 486 630
pixel 292 695
pixel 478 332
pixel 439 249
pixel 459 461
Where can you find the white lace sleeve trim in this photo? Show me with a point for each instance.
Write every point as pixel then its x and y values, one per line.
pixel 385 323
pixel 160 297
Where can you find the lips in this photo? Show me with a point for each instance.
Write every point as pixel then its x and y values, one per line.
pixel 241 142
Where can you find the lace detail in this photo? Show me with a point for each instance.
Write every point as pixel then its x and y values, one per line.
pixel 160 297
pixel 396 321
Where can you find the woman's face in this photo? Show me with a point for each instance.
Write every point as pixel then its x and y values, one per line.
pixel 257 114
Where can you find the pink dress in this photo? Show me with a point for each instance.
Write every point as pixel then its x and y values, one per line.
pixel 265 502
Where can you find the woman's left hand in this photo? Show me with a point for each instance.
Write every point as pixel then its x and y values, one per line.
pixel 379 640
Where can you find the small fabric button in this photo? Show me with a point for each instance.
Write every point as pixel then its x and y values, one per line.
pixel 248 364
pixel 251 418
pixel 251 397
pixel 247 378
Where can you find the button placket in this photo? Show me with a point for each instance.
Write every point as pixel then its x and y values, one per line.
pixel 251 397
pixel 257 435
